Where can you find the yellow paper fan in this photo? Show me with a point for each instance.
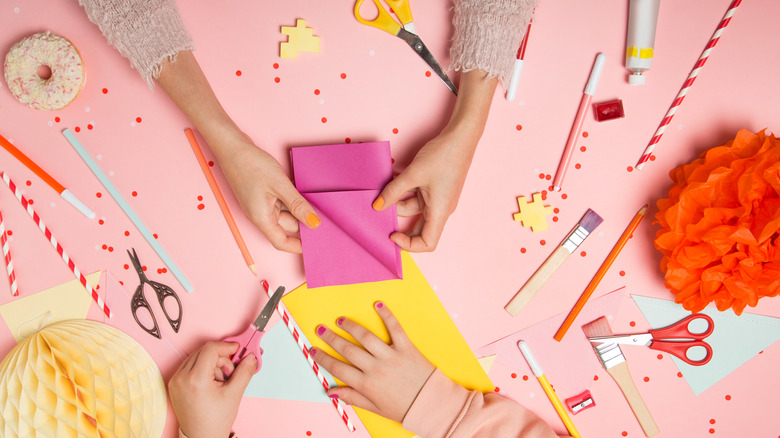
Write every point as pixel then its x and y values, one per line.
pixel 81 378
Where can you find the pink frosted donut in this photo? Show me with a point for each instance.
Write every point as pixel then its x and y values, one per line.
pixel 44 71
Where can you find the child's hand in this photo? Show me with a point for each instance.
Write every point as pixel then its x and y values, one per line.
pixel 205 404
pixel 384 379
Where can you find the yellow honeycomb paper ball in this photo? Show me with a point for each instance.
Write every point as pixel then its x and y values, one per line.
pixel 81 378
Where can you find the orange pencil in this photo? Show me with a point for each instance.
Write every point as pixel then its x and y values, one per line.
pixel 220 200
pixel 600 273
pixel 48 179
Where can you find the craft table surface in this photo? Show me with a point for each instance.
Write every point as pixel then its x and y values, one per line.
pixel 363 86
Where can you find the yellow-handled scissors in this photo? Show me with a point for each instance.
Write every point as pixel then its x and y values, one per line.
pixel 405 31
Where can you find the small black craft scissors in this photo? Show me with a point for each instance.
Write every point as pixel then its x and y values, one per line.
pixel 162 291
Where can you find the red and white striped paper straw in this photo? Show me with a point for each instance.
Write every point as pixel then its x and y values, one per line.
pixel 290 323
pixel 9 263
pixel 56 245
pixel 687 85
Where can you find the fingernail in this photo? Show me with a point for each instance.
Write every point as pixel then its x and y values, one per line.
pixel 312 351
pixel 378 203
pixel 340 321
pixel 379 305
pixel 313 220
pixel 336 396
pixel 320 330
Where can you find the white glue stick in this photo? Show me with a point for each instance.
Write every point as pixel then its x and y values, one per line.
pixel 640 39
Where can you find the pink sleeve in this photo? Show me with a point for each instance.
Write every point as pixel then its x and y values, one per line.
pixel 444 409
pixel 488 34
pixel 145 32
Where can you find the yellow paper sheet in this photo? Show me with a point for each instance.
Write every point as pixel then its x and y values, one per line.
pixel 417 308
pixel 27 314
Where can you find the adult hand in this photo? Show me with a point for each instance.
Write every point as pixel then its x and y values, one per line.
pixel 205 404
pixel 384 379
pixel 266 194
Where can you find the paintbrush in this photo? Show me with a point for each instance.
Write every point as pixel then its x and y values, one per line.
pixel 615 363
pixel 590 220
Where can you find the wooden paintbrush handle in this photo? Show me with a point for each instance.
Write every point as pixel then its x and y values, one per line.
pixel 537 281
pixel 623 378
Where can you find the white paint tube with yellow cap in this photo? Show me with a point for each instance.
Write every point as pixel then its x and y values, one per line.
pixel 640 38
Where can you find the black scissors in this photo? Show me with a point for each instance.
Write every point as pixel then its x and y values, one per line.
pixel 139 300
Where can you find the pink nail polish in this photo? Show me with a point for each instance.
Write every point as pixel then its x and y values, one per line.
pixel 320 330
pixel 336 396
pixel 340 321
pixel 312 351
pixel 379 305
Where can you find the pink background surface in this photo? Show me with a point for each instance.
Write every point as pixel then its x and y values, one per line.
pixel 371 85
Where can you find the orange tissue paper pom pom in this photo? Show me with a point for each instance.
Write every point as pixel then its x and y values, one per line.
pixel 719 225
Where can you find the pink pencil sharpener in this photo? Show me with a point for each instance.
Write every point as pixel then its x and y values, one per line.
pixel 609 110
pixel 580 402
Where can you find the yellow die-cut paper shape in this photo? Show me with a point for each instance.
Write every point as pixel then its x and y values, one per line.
pixel 299 39
pixel 533 214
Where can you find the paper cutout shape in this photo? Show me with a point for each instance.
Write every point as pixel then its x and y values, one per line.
pixel 533 214
pixel 417 308
pixel 352 243
pixel 27 314
pixel 487 362
pixel 300 39
pixel 735 340
pixel 286 374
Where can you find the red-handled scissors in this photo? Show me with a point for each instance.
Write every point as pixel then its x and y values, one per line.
pixel 677 339
pixel 249 340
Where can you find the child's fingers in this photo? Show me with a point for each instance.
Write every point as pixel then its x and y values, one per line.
pixel 340 370
pixel 242 375
pixel 352 397
pixel 371 342
pixel 397 334
pixel 210 354
pixel 355 354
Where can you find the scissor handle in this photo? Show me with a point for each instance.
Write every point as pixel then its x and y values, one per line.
pixel 383 19
pixel 248 342
pixel 681 329
pixel 681 348
pixel 163 291
pixel 401 10
pixel 138 302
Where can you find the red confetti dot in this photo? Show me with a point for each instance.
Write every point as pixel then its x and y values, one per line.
pixel 679 374
pixel 211 164
pixel 138 120
pixel 155 235
pixel 165 270
pixel 395 130
pixel 110 249
pixel 317 92
pixel 622 273
pixel 630 168
pixel 712 431
pixel 596 377
pixel 238 73
pixel 90 126
pixel 392 161
pixel 347 140
pixel 343 76
pixel 522 250
pixel 57 119
pixel 652 157
pixel 77 129
pixel 578 166
pixel 324 120
pixel 728 397
pixel 143 268
pixel 556 210
pixel 541 176
pixel 544 195
pixel 583 148
pixel 497 389
pixel 276 65
pixel 29 183
pixel 519 127
pixel 585 134
pixel 632 323
pixel 105 246
pixel 542 242
pixel 624 433
pixel 101 221
pixel 712 421
pixel 200 198
pixel 127 233
pixel 564 196
pixel 30 201
pixel 126 266
pixel 99 195
pixel 555 219
pixel 201 206
pixel 646 379
pixel 105 91
pixel 308 433
pixel 134 193
pixel 583 253
pixel 159 271
pixel 428 74
pixel 525 377
pixel 514 375
pixel 548 177
pixel 277 79
pixel 551 188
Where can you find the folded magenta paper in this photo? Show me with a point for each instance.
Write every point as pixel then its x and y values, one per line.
pixel 352 244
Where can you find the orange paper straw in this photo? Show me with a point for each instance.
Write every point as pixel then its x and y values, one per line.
pixel 220 200
pixel 600 273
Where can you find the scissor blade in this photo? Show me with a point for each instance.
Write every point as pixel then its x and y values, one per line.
pixel 268 310
pixel 418 46
pixel 640 339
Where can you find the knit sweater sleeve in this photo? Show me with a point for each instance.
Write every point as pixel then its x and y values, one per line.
pixel 488 34
pixel 145 32
pixel 444 409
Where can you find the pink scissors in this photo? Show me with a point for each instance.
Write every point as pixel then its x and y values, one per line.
pixel 677 339
pixel 249 340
